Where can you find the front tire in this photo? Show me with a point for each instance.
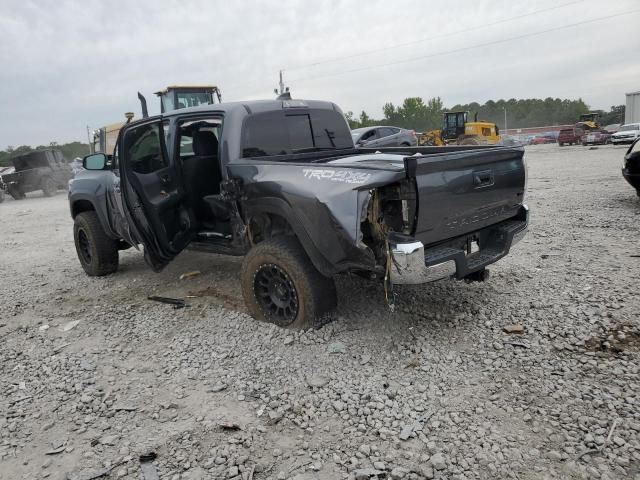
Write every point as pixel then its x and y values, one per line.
pixel 280 285
pixel 16 193
pixel 49 187
pixel 98 254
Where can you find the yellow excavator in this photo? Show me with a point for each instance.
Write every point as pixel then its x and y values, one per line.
pixel 172 98
pixel 457 130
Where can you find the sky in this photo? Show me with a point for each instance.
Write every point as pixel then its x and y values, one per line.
pixel 67 65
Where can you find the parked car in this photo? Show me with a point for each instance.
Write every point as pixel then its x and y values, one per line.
pixel 384 137
pixel 571 136
pixel 542 139
pixel 627 133
pixel 43 170
pixel 612 128
pixel 596 137
pixel 631 167
pixel 281 183
pixel 511 141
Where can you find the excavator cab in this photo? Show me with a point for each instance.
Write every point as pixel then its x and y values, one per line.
pixel 176 97
pixel 589 121
pixel 453 125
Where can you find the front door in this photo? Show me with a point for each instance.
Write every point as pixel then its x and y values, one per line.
pixel 154 203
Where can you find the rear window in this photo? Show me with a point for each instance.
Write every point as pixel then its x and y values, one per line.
pixel 283 133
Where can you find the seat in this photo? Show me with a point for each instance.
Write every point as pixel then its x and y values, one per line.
pixel 201 173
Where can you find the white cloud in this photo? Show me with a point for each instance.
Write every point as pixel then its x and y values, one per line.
pixel 70 64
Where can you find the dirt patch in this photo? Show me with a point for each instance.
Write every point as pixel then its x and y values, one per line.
pixel 616 340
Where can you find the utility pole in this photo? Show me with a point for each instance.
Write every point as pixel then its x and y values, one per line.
pixel 505 120
pixel 89 139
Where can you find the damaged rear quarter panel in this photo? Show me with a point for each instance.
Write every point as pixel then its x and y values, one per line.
pixel 325 200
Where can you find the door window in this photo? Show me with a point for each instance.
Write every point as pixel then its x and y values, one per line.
pixel 385 132
pixel 144 148
pixel 370 135
pixel 486 131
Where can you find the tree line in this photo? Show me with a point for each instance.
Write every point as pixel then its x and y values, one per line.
pixel 69 151
pixel 416 114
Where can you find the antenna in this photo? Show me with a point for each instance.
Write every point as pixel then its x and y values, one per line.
pixel 282 92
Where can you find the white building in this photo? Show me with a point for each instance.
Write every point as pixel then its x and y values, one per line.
pixel 632 110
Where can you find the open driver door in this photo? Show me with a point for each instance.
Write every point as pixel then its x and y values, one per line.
pixel 153 200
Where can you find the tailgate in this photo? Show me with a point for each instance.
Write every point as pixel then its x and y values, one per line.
pixel 464 191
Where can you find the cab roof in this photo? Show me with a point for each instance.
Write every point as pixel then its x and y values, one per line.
pixel 257 106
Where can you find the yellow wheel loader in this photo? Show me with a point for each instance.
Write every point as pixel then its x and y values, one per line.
pixel 457 130
pixel 172 98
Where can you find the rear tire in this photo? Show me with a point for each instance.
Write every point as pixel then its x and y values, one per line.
pixel 98 254
pixel 280 285
pixel 49 187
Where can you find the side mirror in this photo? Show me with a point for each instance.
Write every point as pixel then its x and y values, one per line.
pixel 95 161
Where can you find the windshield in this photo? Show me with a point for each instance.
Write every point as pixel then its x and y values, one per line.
pixel 186 100
pixel 630 127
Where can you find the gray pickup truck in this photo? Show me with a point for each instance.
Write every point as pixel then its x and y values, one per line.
pixel 280 183
pixel 43 170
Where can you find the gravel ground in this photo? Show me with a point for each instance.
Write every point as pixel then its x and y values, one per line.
pixel 93 375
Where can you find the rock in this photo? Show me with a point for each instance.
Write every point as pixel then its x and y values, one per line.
pixel 554 455
pixel 366 473
pixel 86 398
pixel 317 381
pixel 275 416
pixel 438 461
pixel 426 470
pixel 288 340
pixel 379 466
pixel 619 441
pixel 365 449
pixel 399 472
pixel 338 405
pixel 514 328
pixel 108 439
pixel 233 472
pixel 336 347
pixel 218 387
pixel 406 432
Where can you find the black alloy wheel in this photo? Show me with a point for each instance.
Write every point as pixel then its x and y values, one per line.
pixel 276 294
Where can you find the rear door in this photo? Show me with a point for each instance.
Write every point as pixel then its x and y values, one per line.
pixel 387 137
pixel 153 200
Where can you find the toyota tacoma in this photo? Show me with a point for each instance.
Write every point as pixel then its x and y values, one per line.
pixel 280 183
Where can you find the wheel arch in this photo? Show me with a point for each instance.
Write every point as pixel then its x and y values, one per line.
pixel 277 209
pixel 81 205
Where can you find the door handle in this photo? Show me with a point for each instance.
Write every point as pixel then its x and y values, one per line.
pixel 483 179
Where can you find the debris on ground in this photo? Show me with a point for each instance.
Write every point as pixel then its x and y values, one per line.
pixel 190 274
pixel 176 302
pixel 69 325
pixel 515 328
